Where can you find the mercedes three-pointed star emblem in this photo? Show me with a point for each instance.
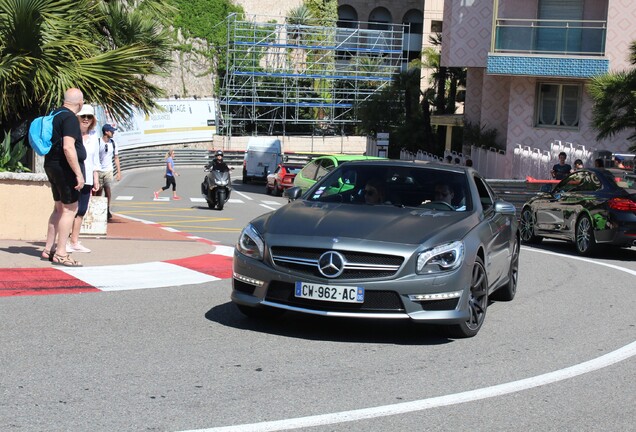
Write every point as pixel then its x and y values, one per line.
pixel 331 264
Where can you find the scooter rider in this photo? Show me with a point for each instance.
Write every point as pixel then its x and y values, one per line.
pixel 218 164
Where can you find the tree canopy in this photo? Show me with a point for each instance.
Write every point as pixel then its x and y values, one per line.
pixel 614 96
pixel 105 48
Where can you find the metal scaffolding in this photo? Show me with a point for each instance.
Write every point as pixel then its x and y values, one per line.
pixel 281 75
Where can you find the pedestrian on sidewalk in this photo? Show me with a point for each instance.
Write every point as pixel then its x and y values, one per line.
pixel 107 154
pixel 64 167
pixel 90 139
pixel 561 170
pixel 170 177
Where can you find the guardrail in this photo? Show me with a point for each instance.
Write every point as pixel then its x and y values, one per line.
pixel 516 192
pixel 142 158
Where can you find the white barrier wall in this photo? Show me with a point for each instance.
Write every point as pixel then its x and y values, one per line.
pixel 179 121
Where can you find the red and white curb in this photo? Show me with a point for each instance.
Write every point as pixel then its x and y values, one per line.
pixel 199 269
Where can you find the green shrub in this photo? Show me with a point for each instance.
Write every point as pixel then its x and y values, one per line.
pixel 11 155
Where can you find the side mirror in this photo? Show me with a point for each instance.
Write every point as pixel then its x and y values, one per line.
pixel 293 193
pixel 505 208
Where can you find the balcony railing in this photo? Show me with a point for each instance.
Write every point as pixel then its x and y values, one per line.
pixel 553 37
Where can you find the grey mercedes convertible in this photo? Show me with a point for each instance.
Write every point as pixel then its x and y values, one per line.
pixel 383 239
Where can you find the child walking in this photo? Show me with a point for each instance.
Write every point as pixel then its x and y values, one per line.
pixel 170 175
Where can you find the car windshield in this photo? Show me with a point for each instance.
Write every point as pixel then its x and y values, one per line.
pixel 402 186
pixel 293 169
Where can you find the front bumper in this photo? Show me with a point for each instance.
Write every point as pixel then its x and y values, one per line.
pixel 256 284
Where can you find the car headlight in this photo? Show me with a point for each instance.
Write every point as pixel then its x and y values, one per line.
pixel 250 243
pixel 441 258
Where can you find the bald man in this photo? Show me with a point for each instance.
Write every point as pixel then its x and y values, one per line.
pixel 64 167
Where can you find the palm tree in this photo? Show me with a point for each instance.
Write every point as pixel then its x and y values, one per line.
pixel 614 96
pixel 105 48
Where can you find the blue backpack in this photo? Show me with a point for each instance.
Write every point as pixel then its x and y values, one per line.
pixel 41 132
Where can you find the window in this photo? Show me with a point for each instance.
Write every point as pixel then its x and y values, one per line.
pixel 558 105
pixel 309 171
pixel 326 165
pixel 484 195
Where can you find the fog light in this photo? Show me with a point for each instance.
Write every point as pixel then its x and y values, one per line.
pixel 248 280
pixel 435 296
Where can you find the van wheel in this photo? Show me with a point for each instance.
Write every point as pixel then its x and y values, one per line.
pixel 246 179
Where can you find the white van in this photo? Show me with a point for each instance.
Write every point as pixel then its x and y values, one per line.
pixel 262 156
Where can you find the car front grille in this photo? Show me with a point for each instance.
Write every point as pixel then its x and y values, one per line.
pixel 374 301
pixel 359 265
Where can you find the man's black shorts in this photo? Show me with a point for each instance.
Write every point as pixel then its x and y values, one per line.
pixel 63 184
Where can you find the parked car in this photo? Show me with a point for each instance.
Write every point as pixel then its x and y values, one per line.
pixel 282 178
pixel 317 168
pixel 588 208
pixel 434 259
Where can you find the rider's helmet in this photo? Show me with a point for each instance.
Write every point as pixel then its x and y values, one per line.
pixel 219 153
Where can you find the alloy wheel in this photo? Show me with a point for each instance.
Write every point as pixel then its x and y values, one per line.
pixel 478 301
pixel 584 236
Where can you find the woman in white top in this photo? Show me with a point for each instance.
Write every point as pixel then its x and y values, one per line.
pixel 90 137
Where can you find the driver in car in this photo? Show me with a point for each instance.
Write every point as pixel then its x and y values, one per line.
pixel 445 193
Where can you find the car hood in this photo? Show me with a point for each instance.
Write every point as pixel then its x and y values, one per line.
pixel 382 223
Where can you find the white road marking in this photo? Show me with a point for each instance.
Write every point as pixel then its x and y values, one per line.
pixel 138 276
pixel 601 362
pixel 612 266
pixel 271 202
pixel 247 197
pixel 223 250
pixel 161 199
pixel 267 207
pixel 198 200
pixel 124 198
pixel 236 201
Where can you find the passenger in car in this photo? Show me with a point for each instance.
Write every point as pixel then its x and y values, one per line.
pixel 375 191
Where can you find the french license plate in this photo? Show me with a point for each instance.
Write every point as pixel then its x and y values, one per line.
pixel 346 294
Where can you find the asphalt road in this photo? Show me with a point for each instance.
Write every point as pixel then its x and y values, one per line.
pixel 560 357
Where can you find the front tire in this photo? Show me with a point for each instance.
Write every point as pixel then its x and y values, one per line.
pixel 477 304
pixel 508 291
pixel 584 236
pixel 527 226
pixel 220 199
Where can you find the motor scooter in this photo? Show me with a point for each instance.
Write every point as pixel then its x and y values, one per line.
pixel 216 187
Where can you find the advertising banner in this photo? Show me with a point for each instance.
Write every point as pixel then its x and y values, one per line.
pixel 178 121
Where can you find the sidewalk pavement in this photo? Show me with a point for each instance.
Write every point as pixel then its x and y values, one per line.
pixel 133 255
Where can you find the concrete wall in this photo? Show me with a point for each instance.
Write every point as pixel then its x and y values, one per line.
pixel 26 206
pixel 318 144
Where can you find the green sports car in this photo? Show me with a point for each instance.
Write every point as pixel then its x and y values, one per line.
pixel 323 165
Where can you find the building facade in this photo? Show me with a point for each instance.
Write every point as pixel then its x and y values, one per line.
pixel 528 63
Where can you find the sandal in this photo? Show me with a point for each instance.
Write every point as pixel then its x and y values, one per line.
pixel 47 255
pixel 65 260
